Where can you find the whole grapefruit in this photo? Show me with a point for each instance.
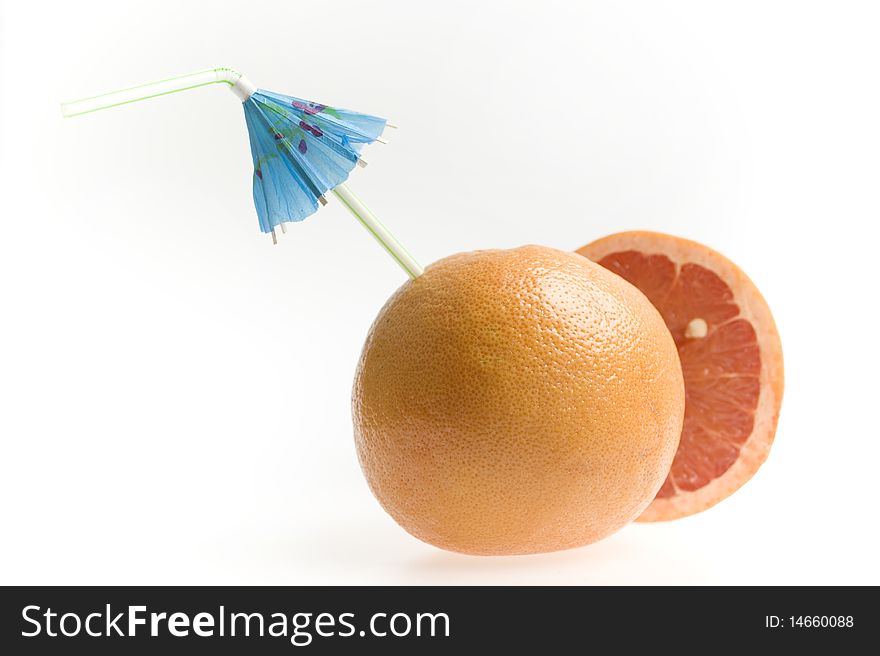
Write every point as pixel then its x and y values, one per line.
pixel 517 401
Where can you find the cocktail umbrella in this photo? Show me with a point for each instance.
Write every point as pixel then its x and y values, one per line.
pixel 301 150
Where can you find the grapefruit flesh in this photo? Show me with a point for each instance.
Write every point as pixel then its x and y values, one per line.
pixel 731 359
pixel 517 401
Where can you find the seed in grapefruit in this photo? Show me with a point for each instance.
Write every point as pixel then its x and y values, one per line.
pixel 517 401
pixel 730 355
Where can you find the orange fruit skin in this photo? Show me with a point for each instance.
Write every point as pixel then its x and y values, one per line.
pixel 751 307
pixel 516 401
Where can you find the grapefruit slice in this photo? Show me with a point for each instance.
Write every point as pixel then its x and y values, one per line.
pixel 731 358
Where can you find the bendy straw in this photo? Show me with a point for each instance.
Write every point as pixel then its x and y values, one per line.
pixel 301 150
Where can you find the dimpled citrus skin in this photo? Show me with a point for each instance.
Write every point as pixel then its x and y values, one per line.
pixel 517 401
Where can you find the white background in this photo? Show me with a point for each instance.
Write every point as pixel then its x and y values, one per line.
pixel 174 391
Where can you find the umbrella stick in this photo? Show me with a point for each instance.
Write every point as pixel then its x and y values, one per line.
pixel 363 214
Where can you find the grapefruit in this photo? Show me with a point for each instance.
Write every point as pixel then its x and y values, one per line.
pixel 517 401
pixel 731 358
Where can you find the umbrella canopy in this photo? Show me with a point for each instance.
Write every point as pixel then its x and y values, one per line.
pixel 301 150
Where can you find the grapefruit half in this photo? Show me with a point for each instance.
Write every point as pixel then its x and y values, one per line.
pixel 731 358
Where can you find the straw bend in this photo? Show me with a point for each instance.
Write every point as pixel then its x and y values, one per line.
pixel 237 83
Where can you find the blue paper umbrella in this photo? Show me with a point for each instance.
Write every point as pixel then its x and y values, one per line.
pixel 301 150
